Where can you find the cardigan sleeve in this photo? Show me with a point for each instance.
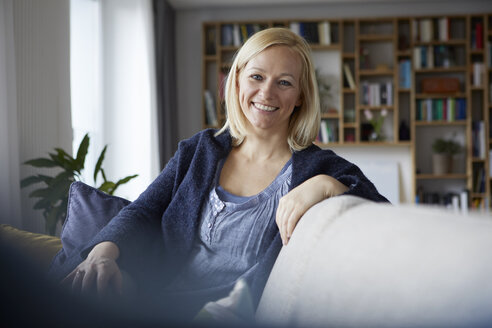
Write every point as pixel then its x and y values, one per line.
pixel 313 161
pixel 136 223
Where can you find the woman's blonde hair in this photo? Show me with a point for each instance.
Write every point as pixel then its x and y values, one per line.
pixel 305 119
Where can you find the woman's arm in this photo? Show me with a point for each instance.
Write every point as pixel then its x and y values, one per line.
pixel 292 206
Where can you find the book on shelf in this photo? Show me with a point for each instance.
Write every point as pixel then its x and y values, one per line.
pixel 310 31
pixel 429 29
pixel 432 56
pixel 327 132
pixel 443 29
pixel 210 42
pixel 405 74
pixel 490 163
pixel 227 35
pixel 477 36
pixel 479 180
pixel 324 31
pixel 349 76
pixel 377 94
pixel 445 109
pixel 211 114
pixel 236 35
pixel 478 139
pixel 478 74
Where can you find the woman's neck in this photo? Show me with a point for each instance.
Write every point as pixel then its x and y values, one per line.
pixel 265 148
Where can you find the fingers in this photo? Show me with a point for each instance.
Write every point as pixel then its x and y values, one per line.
pixel 95 276
pixel 77 281
pixel 288 214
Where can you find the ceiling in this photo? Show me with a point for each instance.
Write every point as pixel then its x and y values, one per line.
pixel 194 4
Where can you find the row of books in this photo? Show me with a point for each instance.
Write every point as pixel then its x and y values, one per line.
pixel 428 29
pixel 313 32
pixel 452 200
pixel 237 34
pixel 328 131
pixel 478 139
pixel 477 36
pixel 377 94
pixel 433 56
pixel 489 51
pixel 405 74
pixel 479 180
pixel 448 109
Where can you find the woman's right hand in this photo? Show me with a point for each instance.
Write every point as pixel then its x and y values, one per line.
pixel 97 272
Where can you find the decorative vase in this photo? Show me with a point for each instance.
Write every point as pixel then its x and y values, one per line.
pixel 441 163
pixel 374 136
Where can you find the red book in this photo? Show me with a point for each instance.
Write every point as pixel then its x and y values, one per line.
pixel 479 35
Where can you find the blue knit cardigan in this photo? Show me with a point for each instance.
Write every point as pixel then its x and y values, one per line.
pixel 171 207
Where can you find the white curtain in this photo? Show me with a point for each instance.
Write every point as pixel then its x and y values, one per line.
pixel 9 153
pixel 113 88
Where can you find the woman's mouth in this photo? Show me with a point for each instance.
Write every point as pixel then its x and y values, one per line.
pixel 265 108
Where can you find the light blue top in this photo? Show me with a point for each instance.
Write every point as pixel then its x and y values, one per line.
pixel 230 235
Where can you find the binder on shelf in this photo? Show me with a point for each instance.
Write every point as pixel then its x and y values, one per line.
pixel 324 31
pixel 348 76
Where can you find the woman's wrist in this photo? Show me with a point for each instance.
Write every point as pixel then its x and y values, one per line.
pixel 106 249
pixel 332 187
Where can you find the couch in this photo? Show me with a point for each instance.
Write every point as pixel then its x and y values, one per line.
pixel 351 262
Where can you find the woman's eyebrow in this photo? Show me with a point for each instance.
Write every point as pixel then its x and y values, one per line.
pixel 262 70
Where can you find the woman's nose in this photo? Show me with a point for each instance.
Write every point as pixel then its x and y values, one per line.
pixel 267 89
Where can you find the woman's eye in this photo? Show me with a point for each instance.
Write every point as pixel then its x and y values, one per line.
pixel 285 83
pixel 256 77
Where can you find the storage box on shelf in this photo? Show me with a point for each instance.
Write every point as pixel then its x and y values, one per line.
pixel 430 75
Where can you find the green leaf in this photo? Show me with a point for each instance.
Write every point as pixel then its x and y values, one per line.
pixel 30 180
pixel 52 218
pixel 64 154
pixel 62 162
pixel 82 152
pixel 107 187
pixel 41 162
pixel 104 175
pixel 41 204
pixel 99 163
pixel 124 180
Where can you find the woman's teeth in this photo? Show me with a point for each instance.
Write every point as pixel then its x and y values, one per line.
pixel 265 107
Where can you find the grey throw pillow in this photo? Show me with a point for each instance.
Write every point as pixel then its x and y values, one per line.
pixel 88 211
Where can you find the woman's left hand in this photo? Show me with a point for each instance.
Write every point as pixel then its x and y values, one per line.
pixel 292 206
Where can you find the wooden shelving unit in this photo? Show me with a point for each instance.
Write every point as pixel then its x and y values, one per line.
pixel 374 49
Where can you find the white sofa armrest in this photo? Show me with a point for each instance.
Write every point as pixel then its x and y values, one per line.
pixel 351 262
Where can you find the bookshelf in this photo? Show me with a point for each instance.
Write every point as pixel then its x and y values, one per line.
pixel 368 67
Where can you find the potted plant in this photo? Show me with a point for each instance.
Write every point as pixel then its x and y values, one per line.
pixel 442 157
pixel 53 195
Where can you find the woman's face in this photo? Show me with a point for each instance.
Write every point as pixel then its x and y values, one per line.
pixel 269 89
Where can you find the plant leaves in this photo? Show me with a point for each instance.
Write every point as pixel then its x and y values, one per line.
pixel 107 187
pixel 41 162
pixel 82 152
pixel 51 220
pixel 30 180
pixel 124 180
pixel 41 204
pixel 99 163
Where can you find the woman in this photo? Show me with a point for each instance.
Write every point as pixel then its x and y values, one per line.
pixel 228 200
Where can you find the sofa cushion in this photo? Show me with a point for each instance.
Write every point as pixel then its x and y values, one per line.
pixel 88 211
pixel 38 248
pixel 384 266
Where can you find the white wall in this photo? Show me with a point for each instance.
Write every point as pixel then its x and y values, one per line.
pixel 41 37
pixel 188 51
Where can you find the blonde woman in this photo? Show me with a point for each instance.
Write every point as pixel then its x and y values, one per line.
pixel 228 200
